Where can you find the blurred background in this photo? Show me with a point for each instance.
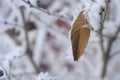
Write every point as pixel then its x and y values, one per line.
pixel 35 40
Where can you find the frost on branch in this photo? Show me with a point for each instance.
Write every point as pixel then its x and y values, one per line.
pixel 35 42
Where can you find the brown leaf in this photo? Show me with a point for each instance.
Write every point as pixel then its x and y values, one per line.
pixel 79 36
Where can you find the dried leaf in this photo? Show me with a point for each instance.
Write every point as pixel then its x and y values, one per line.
pixel 79 36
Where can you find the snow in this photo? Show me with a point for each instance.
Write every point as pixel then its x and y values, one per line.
pixel 45 76
pixel 51 44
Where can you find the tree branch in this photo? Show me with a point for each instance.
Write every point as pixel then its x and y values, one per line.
pixel 102 20
pixel 106 10
pixel 107 54
pixel 28 50
pixel 114 38
pixel 100 31
pixel 44 10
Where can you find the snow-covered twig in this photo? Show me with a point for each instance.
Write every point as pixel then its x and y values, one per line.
pixel 44 10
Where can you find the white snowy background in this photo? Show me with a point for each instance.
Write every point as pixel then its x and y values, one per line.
pixel 49 26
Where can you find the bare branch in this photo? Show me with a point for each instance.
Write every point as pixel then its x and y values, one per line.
pixel 28 50
pixel 101 30
pixel 106 10
pixel 105 54
pixel 114 38
pixel 102 20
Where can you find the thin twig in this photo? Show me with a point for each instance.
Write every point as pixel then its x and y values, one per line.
pixel 102 20
pixel 101 30
pixel 44 10
pixel 107 54
pixel 106 10
pixel 114 38
pixel 28 50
